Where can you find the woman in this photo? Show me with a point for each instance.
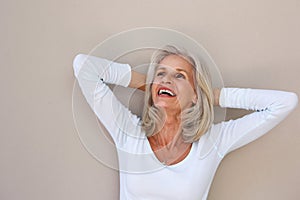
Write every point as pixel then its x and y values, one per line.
pixel 174 151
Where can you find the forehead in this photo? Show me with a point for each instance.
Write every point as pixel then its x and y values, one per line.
pixel 176 62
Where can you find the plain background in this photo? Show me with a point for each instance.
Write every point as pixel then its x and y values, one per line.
pixel 255 43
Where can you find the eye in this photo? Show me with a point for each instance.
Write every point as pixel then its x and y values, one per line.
pixel 179 75
pixel 160 74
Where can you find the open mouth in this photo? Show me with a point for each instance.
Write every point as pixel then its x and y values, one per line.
pixel 166 92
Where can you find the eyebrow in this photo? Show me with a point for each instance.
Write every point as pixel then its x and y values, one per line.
pixel 182 70
pixel 177 69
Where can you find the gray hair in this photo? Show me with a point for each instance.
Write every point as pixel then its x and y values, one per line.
pixel 197 119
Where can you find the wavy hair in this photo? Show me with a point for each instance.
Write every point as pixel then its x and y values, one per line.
pixel 195 120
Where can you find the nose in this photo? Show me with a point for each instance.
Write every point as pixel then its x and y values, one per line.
pixel 166 79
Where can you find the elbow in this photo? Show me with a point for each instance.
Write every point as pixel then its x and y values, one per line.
pixel 292 100
pixel 77 63
pixel 295 100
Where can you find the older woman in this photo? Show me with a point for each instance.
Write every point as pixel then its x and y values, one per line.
pixel 183 148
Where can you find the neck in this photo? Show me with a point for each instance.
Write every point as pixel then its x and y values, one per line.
pixel 170 133
pixel 170 116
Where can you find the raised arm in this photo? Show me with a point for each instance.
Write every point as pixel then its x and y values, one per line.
pixel 217 93
pixel 138 80
pixel 270 108
pixel 92 71
pixel 92 74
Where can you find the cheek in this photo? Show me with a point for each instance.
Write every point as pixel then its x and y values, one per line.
pixel 153 90
pixel 153 87
pixel 186 88
pixel 156 80
pixel 188 93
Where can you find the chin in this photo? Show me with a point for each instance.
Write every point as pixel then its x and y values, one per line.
pixel 161 105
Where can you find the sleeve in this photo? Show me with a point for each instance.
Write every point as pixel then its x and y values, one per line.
pixel 92 74
pixel 270 108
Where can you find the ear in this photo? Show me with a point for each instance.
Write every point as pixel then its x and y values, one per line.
pixel 195 98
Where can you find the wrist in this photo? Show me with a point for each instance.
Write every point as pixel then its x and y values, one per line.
pixel 138 80
pixel 216 92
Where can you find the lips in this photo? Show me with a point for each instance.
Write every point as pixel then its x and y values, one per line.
pixel 165 92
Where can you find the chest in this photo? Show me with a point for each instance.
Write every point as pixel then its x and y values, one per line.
pixel 187 180
pixel 165 184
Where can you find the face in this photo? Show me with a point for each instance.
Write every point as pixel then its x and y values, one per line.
pixel 173 85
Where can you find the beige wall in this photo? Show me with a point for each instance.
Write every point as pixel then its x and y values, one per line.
pixel 255 43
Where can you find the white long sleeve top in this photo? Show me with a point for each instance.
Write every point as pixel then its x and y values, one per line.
pixel 142 175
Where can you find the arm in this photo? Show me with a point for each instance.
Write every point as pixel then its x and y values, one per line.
pixel 270 108
pixel 217 93
pixel 138 80
pixel 92 73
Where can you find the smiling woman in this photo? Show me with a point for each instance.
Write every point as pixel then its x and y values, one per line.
pixel 174 78
pixel 177 69
pixel 177 122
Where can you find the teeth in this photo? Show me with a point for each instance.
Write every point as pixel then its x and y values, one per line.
pixel 166 91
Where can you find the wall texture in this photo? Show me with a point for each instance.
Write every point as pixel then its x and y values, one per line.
pixel 255 44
